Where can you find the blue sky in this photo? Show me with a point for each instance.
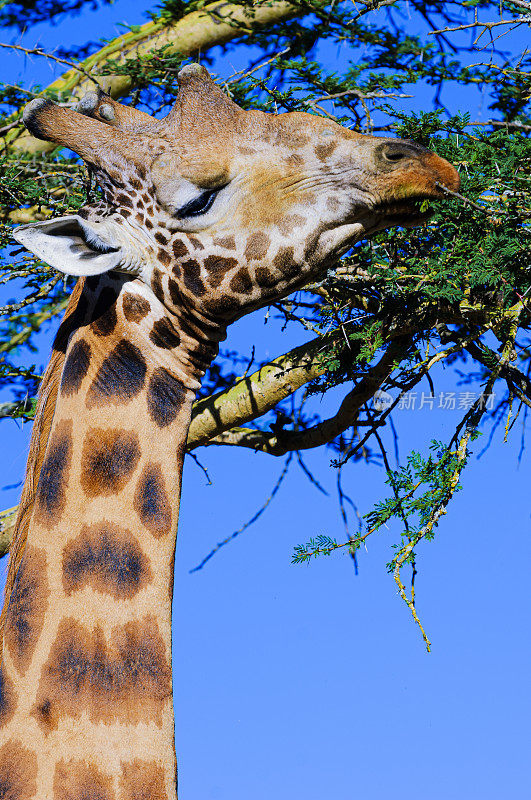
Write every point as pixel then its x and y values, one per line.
pixel 311 682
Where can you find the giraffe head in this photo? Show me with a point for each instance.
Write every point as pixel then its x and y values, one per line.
pixel 219 209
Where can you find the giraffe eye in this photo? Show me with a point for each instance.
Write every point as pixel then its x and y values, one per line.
pixel 199 205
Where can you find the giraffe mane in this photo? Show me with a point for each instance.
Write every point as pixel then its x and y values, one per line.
pixel 44 414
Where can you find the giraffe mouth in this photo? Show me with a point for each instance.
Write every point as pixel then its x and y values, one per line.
pixel 406 213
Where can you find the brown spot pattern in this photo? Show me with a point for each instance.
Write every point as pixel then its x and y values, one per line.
pixel 151 501
pixel 120 377
pixel 257 246
pixel 127 680
pixel 135 308
pixel 18 772
pixel 217 267
pixel 75 368
pixel 175 292
pixel 228 242
pixel 7 698
pixel 163 257
pixel 223 307
pixel 332 203
pixel 196 243
pixel 285 263
pixel 295 160
pixel 27 606
pixel 108 460
pixel 156 284
pixel 323 151
pixel 164 335
pixel 241 282
pixel 192 279
pixel 54 475
pixel 180 250
pixel 289 136
pixel 265 278
pixel 108 559
pixel 78 780
pixel 124 200
pixel 104 314
pixel 142 780
pixel 165 397
pixel 289 222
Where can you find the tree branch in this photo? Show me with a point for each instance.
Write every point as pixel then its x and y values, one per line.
pixel 255 395
pixel 7 525
pixel 217 23
pixel 280 442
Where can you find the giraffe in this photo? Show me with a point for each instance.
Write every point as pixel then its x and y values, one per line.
pixel 204 216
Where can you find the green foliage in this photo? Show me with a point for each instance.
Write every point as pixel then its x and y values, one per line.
pixel 320 545
pixel 434 474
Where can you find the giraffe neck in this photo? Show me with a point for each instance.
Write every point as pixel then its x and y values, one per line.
pixel 86 705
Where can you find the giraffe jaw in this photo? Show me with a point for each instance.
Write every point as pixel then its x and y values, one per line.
pixel 401 213
pixel 406 214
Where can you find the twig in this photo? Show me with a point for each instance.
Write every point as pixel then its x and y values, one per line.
pixel 466 200
pixel 35 51
pixel 249 522
pixel 484 25
pixel 357 93
pixel 237 76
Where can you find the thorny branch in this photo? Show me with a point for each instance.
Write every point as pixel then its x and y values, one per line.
pixel 36 51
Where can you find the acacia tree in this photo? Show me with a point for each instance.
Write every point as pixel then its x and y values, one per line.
pixel 452 292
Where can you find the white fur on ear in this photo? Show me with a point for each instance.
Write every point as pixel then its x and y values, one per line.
pixel 70 245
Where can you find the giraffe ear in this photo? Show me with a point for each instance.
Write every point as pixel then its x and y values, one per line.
pixel 70 245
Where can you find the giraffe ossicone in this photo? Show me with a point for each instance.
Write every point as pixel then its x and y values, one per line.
pixel 204 216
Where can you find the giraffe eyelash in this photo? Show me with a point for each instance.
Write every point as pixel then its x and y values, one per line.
pixel 197 206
